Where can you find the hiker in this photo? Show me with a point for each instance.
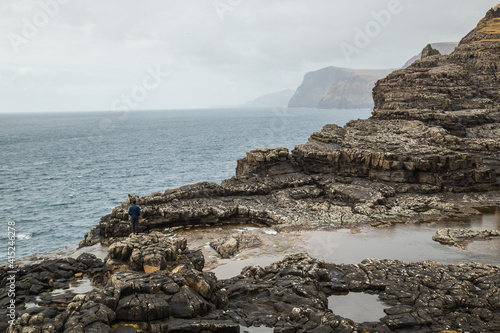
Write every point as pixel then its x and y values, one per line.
pixel 134 211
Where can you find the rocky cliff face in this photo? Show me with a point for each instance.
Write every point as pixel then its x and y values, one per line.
pixel 344 88
pixel 337 88
pixel 435 129
pixel 444 86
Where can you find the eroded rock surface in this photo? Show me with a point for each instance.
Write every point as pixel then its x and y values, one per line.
pixel 234 244
pixel 290 295
pixel 33 284
pixel 151 252
pixel 435 130
pixel 460 237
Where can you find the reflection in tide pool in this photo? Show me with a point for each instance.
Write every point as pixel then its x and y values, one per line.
pixel 359 307
pixel 231 268
pixel 409 242
pixel 406 242
pixel 261 329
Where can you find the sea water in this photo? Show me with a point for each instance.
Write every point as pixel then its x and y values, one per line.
pixel 61 172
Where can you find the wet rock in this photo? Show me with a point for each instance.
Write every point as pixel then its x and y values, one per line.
pixel 189 304
pixel 460 237
pixel 143 307
pixel 90 317
pixel 147 253
pixel 234 244
pixel 427 296
pixel 196 326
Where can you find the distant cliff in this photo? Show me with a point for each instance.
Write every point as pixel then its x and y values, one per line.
pixel 277 99
pixel 344 88
pixel 337 88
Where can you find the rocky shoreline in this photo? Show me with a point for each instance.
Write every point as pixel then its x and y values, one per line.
pixel 290 295
pixel 430 152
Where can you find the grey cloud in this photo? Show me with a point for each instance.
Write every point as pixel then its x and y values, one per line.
pixel 92 50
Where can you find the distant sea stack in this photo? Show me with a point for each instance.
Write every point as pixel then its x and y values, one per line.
pixel 337 88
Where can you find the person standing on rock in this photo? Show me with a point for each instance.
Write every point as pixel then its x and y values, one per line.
pixel 134 211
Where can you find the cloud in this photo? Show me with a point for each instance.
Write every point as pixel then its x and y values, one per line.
pixel 91 51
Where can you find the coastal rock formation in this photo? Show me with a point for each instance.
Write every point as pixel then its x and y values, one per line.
pixel 443 48
pixel 344 88
pixel 147 300
pixel 233 244
pixel 151 253
pixel 455 91
pixel 428 51
pixel 291 295
pixel 460 237
pixel 434 130
pixel 33 284
pixel 430 151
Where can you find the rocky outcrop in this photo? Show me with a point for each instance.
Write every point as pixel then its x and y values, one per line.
pixel 129 298
pixel 337 88
pixel 460 237
pixel 438 89
pixel 291 295
pixel 151 253
pixel 344 88
pixel 33 284
pixel 443 48
pixel 400 151
pixel 435 130
pixel 234 244
pixel 428 51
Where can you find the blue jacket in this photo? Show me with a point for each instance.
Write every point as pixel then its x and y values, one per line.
pixel 134 211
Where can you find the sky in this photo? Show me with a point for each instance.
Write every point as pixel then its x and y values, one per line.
pixel 89 55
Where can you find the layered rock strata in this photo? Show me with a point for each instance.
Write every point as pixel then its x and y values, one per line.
pixel 461 237
pixel 435 130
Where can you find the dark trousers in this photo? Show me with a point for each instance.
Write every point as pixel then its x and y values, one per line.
pixel 134 227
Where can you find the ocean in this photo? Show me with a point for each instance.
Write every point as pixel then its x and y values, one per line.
pixel 61 172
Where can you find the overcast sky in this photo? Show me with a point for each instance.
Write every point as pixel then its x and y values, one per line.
pixel 69 55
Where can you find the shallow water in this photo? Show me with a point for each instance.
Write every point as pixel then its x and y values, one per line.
pixel 405 242
pixel 359 307
pixel 409 242
pixel 261 329
pixel 77 287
